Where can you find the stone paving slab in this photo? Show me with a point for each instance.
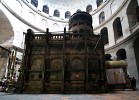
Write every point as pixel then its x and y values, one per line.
pixel 117 95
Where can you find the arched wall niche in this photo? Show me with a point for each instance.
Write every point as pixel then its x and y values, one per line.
pixel 6 30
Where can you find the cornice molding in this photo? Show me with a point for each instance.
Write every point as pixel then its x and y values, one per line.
pixel 101 7
pixel 133 34
pixel 64 21
pixel 112 16
pixel 26 3
pixel 20 18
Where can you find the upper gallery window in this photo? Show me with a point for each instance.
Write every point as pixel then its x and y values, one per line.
pixel 99 2
pixel 34 3
pixel 67 14
pixel 101 17
pixel 57 13
pixel 45 9
pixel 89 8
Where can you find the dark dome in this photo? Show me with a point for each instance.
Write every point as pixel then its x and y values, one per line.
pixel 80 22
pixel 80 16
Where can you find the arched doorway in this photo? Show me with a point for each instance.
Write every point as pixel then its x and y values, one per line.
pixel 136 49
pixel 121 54
pixel 108 57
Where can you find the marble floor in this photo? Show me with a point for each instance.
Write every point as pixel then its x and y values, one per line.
pixel 116 95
